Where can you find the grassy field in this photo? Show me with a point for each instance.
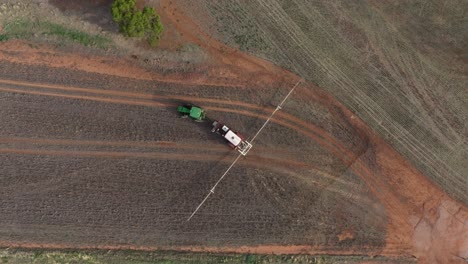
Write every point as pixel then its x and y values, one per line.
pixel 401 67
pixel 26 29
pixel 18 256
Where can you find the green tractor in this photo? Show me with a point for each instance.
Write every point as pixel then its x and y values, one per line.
pixel 192 111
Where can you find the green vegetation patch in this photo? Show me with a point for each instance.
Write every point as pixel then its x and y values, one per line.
pixel 137 23
pixel 26 29
pixel 168 257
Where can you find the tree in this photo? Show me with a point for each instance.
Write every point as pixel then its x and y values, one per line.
pixel 155 25
pixel 123 10
pixel 136 23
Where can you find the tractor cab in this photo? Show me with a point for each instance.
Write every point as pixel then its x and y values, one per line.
pixel 192 111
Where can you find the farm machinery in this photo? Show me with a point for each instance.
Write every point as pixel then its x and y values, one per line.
pixel 235 139
pixel 192 111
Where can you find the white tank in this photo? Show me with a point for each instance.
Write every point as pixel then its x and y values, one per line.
pixel 233 138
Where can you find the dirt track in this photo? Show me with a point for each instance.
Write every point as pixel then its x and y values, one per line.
pixel 125 141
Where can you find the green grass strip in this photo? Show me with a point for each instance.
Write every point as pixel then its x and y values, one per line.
pixel 25 29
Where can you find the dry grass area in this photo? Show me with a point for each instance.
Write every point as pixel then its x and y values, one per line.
pixel 169 257
pixel 401 67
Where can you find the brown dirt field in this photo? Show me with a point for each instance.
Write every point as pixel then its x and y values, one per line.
pixel 59 147
pixel 419 194
pixel 317 133
pixel 420 219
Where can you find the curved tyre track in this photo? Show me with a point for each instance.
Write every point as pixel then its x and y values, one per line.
pixel 264 160
pixel 284 119
pixel 413 205
pixel 381 181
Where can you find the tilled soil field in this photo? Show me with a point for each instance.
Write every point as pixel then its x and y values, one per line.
pixel 401 67
pixel 94 155
pixel 115 173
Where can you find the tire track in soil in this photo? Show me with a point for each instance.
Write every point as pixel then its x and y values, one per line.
pixel 348 158
pixel 302 129
pixel 233 57
pixel 403 190
pixel 145 144
pixel 397 184
pixel 68 142
pixel 83 97
pixel 266 154
pixel 294 123
pixel 253 161
pixel 317 134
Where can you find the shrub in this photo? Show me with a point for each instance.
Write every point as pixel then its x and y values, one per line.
pixel 137 23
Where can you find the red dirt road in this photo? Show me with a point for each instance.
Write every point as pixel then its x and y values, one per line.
pixel 422 220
